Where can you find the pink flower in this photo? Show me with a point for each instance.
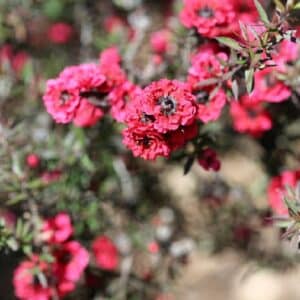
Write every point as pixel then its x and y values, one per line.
pixel 210 107
pixel 160 41
pixel 66 97
pixel 109 62
pixel 268 88
pixel 87 114
pixel 245 10
pixel 146 143
pixel 32 161
pixel 26 282
pixel 277 188
pixel 57 229
pixel 250 116
pixel 208 64
pixel 170 103
pixel 60 33
pixel 153 247
pixel 208 160
pixel 106 253
pixel 71 259
pixel 211 18
pixel 120 97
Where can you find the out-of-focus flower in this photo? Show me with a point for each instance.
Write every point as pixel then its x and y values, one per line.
pixel 207 64
pixel 51 176
pixel 153 247
pixel 33 160
pixel 57 229
pixel 277 188
pixel 71 260
pixel 208 160
pixel 211 18
pixel 60 33
pixel 160 41
pixel 120 97
pixel 15 59
pixel 106 253
pixel 249 116
pixel 29 279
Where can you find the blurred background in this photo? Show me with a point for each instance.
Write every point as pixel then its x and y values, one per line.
pixel 203 235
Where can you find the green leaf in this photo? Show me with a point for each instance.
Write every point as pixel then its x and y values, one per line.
pixel 262 13
pixel 249 78
pixel 229 42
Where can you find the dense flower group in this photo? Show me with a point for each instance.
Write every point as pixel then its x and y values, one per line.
pixel 40 279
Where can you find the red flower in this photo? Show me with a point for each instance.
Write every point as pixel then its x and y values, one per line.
pixel 146 143
pixel 16 60
pixel 178 138
pixel 277 188
pixel 170 104
pixel 57 229
pixel 70 261
pixel 60 33
pixel 208 160
pixel 249 116
pixel 211 18
pixel 32 160
pixel 27 283
pixel 106 253
pixel 160 41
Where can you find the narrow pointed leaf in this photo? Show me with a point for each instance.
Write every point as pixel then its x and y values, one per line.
pixel 231 43
pixel 262 13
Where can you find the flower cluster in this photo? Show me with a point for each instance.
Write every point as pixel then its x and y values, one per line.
pixel 79 93
pixel 38 278
pixel 160 119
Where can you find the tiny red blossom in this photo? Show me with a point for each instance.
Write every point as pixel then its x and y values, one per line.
pixel 208 160
pixel 106 253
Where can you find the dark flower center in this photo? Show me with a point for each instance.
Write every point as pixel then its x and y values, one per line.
pixel 168 105
pixel 202 97
pixel 64 97
pixel 65 257
pixel 206 12
pixel 96 97
pixel 147 118
pixel 144 141
pixel 252 113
